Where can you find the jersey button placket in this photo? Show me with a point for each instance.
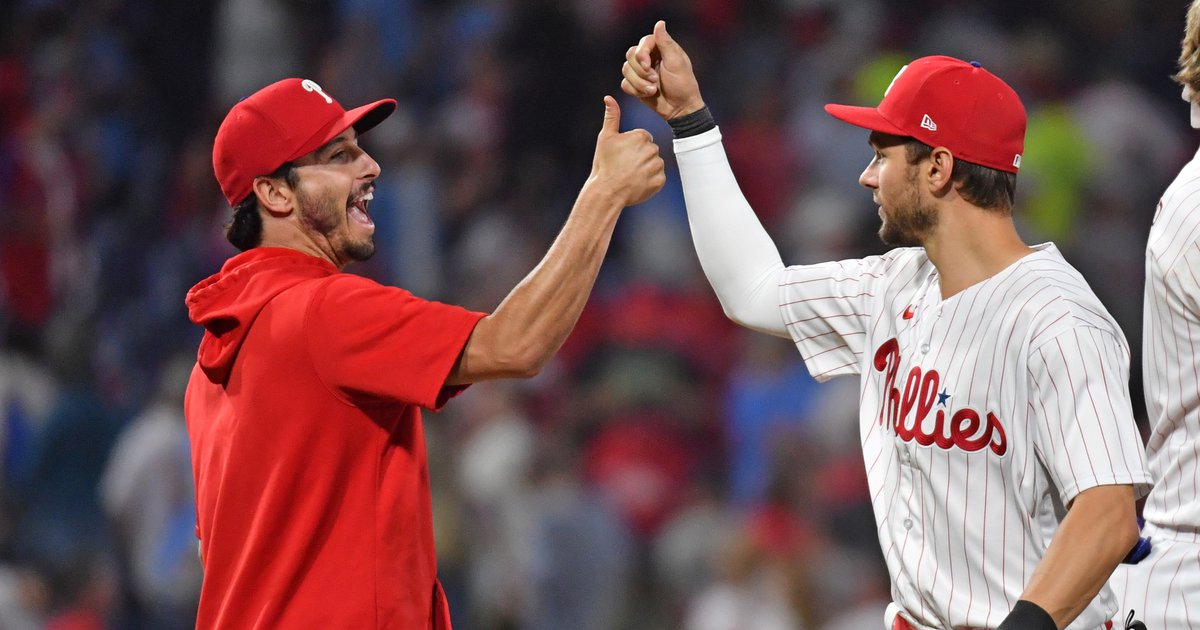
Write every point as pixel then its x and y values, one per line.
pixel 901 510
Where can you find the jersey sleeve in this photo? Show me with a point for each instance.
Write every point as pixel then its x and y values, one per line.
pixel 1083 419
pixel 826 308
pixel 373 342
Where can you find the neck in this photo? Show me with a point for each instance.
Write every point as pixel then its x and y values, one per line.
pixel 970 245
pixel 301 241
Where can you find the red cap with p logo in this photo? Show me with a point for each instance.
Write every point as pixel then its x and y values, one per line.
pixel 280 123
pixel 947 102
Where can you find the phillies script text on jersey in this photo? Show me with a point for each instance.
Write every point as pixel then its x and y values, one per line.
pixel 966 430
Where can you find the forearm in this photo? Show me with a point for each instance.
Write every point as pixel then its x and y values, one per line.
pixel 1098 531
pixel 739 258
pixel 536 317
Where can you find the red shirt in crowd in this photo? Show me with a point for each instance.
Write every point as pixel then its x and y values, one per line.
pixel 312 485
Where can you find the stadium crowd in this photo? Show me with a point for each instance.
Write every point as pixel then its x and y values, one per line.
pixel 668 470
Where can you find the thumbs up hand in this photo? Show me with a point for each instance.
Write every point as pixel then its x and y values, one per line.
pixel 626 164
pixel 659 72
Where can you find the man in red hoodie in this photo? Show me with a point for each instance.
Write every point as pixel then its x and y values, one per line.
pixel 312 483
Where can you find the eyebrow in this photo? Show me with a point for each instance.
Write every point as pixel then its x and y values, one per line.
pixel 332 143
pixel 337 140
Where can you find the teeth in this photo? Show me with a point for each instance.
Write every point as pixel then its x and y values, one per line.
pixel 361 202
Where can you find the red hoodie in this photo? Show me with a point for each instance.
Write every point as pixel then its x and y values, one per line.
pixel 312 486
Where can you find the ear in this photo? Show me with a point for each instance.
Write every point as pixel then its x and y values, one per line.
pixel 274 195
pixel 940 171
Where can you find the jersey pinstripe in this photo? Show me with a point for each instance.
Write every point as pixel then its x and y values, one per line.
pixel 1164 589
pixel 981 417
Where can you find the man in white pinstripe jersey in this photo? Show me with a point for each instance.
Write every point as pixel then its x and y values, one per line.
pixel 996 426
pixel 1165 587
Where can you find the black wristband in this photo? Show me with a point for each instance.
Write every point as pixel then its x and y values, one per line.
pixel 1027 615
pixel 692 124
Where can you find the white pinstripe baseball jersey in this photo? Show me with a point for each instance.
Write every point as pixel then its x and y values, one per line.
pixel 1171 345
pixel 981 417
pixel 1164 589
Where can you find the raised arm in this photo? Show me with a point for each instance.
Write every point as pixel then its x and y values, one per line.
pixel 533 321
pixel 739 258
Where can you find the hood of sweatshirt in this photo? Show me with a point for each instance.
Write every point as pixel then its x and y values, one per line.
pixel 227 303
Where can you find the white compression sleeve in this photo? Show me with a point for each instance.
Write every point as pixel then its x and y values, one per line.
pixel 738 256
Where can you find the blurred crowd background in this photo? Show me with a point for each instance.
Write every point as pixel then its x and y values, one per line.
pixel 668 470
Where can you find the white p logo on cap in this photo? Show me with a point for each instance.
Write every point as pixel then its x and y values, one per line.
pixel 898 73
pixel 311 86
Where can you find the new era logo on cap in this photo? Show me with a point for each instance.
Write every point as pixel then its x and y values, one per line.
pixel 280 123
pixel 943 101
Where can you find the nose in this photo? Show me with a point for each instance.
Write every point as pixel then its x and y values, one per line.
pixel 371 168
pixel 870 176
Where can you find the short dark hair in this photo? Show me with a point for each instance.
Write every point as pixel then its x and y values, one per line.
pixel 988 188
pixel 244 230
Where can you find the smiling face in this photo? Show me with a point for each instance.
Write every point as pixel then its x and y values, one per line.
pixel 908 219
pixel 336 184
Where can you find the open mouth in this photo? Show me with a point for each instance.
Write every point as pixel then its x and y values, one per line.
pixel 358 209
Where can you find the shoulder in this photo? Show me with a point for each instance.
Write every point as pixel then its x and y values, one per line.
pixel 342 286
pixel 1176 226
pixel 900 258
pixel 346 300
pixel 1052 297
pixel 339 294
pixel 1182 194
pixel 901 261
pixel 354 300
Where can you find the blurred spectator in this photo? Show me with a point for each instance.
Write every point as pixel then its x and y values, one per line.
pixel 852 588
pixel 85 595
pixel 27 392
pixel 581 555
pixel 150 501
pixel 687 548
pixel 24 598
pixel 752 593
pixel 1053 178
pixel 258 42
pixel 495 471
pixel 758 131
pixel 641 462
pixel 61 519
pixel 768 403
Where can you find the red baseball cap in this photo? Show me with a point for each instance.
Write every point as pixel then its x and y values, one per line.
pixel 280 123
pixel 947 102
